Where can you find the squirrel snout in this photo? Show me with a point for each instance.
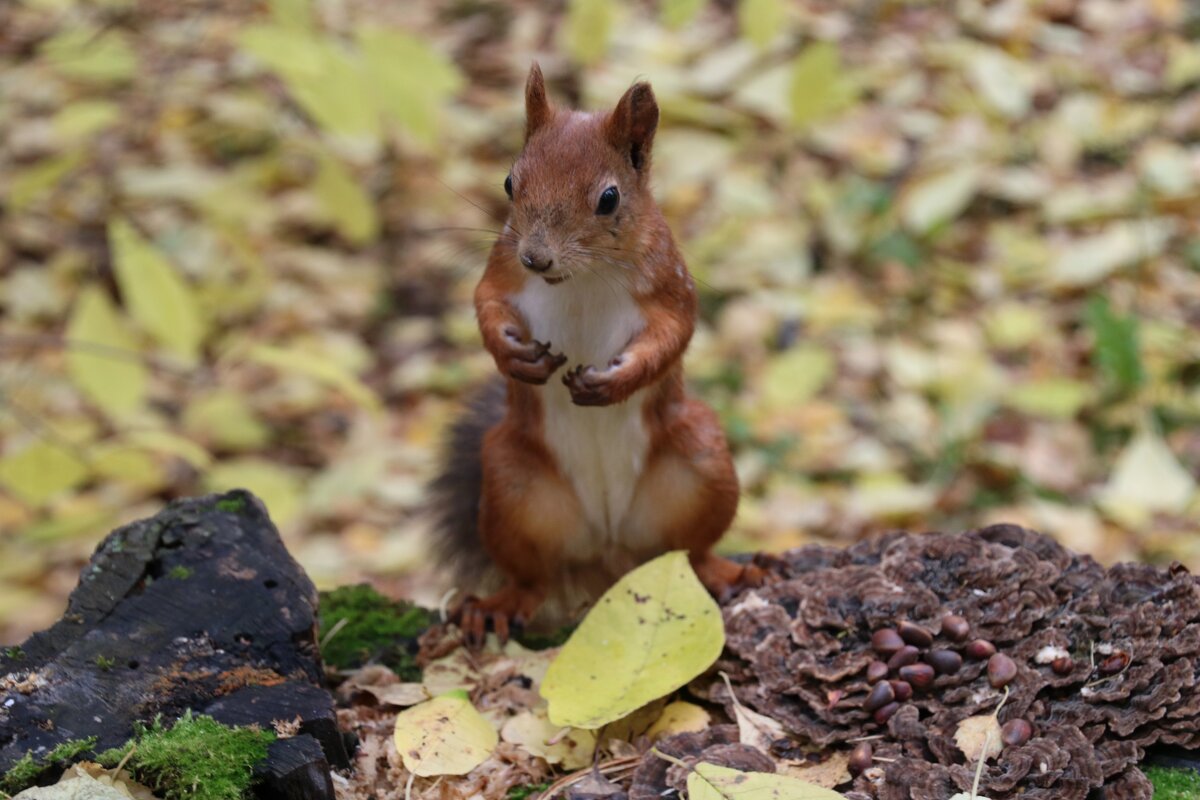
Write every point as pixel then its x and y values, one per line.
pixel 537 261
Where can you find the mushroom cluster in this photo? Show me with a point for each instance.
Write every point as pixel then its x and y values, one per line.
pixel 900 639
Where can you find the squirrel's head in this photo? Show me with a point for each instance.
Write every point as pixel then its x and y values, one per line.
pixel 581 184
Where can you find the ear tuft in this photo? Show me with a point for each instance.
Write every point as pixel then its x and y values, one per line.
pixel 537 107
pixel 632 124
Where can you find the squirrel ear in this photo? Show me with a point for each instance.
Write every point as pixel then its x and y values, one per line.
pixel 537 107
pixel 632 124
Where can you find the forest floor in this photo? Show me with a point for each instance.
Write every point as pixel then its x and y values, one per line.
pixel 948 256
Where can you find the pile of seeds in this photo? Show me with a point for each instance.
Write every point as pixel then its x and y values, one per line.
pixel 886 647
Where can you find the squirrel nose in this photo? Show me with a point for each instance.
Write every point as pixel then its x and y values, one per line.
pixel 537 263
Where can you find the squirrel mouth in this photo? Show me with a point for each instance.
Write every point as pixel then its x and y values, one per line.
pixel 557 279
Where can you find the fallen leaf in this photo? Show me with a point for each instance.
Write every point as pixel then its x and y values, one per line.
pixel 1147 478
pixel 833 771
pixel 650 634
pixel 443 736
pixel 158 298
pixel 41 471
pixel 1085 261
pixel 319 367
pixel 938 199
pixel 572 747
pixel 711 782
pixel 979 736
pixel 679 717
pixel 587 28
pixel 819 85
pixel 102 355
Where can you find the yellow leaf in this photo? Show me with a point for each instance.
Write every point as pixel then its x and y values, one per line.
pixel 102 356
pixel 278 487
pixel 1147 478
pixel 225 420
pixel 170 444
pixel 572 748
pixel 679 717
pixel 938 199
pixel 344 201
pixel 819 86
pixel 82 118
pixel 92 56
pixel 293 14
pixel 587 29
pixel 39 472
pixel 391 58
pixel 677 13
pixel 710 782
pixel 651 633
pixel 130 466
pixel 444 736
pixel 318 367
pixel 760 21
pixel 159 300
pixel 1058 398
pixel 30 184
pixel 795 376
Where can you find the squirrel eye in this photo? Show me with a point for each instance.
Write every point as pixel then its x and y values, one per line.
pixel 508 186
pixel 608 201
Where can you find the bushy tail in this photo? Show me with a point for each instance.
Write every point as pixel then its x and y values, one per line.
pixel 454 494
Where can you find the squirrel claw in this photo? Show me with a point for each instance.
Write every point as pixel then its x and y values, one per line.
pixel 504 613
pixel 588 386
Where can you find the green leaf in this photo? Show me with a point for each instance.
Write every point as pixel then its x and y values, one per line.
pixel 677 13
pixel 103 359
pixel 587 30
pixel 1116 352
pixel 41 471
pixel 760 21
pixel 819 86
pixel 443 736
pixel 95 57
pixel 391 59
pixel 344 201
pixel 711 782
pixel 651 633
pixel 31 183
pixel 320 368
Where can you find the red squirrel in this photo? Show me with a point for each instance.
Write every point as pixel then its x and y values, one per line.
pixel 560 482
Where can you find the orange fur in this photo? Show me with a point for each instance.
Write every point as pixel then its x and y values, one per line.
pixel 685 492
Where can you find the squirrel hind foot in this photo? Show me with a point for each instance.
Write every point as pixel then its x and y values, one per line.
pixel 503 613
pixel 724 578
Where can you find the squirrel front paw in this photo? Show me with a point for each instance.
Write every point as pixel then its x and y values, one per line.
pixel 529 360
pixel 590 386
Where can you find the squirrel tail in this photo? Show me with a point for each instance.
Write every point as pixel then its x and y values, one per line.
pixel 455 493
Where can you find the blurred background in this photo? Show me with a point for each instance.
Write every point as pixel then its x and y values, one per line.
pixel 948 254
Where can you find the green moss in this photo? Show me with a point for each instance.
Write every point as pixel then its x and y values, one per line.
pixel 544 641
pixel 374 629
pixel 197 758
pixel 28 769
pixel 522 792
pixel 21 775
pixel 181 573
pixel 1174 784
pixel 232 503
pixel 105 663
pixel 14 652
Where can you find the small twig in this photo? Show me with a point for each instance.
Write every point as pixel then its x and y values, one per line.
pixel 408 786
pixel 612 767
pixel 337 626
pixel 870 738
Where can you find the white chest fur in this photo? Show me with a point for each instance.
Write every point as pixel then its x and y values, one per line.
pixel 601 450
